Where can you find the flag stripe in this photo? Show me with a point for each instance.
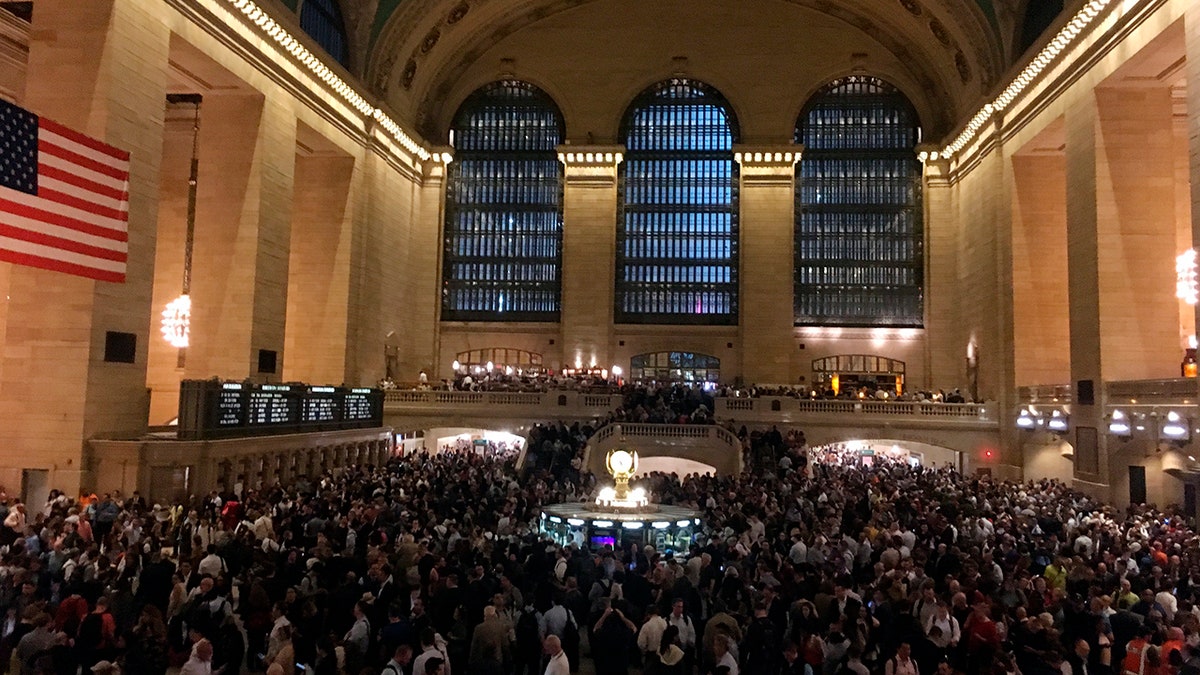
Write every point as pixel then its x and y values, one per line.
pixel 62 258
pixel 71 245
pixel 72 135
pixel 82 150
pixel 119 183
pixel 59 266
pixel 62 213
pixel 42 215
pixel 115 198
pixel 50 194
pixel 76 158
pixel 106 241
pixel 66 256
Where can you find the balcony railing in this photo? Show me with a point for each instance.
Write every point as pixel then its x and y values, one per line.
pixel 729 407
pixel 707 443
pixel 1173 390
pixel 767 409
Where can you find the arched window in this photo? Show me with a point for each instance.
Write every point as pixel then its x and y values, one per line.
pixel 859 246
pixel 1039 15
pixel 500 357
pixel 677 230
pixel 322 20
pixel 503 236
pixel 675 367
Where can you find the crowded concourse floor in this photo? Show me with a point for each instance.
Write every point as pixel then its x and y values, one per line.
pixel 433 564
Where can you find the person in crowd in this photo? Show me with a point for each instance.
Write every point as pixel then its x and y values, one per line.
pixel 558 664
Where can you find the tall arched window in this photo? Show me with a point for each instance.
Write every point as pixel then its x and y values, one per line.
pixel 859 246
pixel 503 236
pixel 322 20
pixel 1039 16
pixel 677 231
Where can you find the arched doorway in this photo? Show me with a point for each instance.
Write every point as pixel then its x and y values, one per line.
pixel 858 370
pixel 869 451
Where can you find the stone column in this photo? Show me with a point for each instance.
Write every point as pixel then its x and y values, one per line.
pixel 101 69
pixel 1192 21
pixel 243 228
pixel 767 243
pixel 1135 204
pixel 421 308
pixel 1040 289
pixel 284 473
pixel 1083 276
pixel 589 254
pixel 943 332
pixel 319 268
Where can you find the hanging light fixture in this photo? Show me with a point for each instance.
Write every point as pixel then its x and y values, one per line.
pixel 177 316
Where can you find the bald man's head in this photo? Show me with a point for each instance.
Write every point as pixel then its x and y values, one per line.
pixel 553 645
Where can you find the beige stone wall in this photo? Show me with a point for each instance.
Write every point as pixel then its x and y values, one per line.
pixel 56 390
pixel 319 280
pixel 1135 186
pixel 1039 260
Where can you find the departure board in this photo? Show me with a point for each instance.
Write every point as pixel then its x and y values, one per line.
pixel 229 405
pixel 271 404
pixel 216 409
pixel 320 405
pixel 357 405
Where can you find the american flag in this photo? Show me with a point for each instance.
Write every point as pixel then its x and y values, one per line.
pixel 64 198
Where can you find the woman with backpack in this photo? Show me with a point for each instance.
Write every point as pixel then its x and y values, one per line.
pixel 96 638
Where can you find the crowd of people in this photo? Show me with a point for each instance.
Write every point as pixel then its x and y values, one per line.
pixel 542 381
pixel 433 564
pixel 873 391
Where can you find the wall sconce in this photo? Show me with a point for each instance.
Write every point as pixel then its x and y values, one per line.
pixel 1058 422
pixel 1176 428
pixel 1118 425
pixel 1028 419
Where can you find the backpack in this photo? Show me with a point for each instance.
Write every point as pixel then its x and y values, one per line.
pixel 91 632
pixel 528 634
pixel 570 638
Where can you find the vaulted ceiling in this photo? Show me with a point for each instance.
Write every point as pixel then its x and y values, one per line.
pixel 767 56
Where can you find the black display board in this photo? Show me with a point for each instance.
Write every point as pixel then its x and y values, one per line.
pixel 216 409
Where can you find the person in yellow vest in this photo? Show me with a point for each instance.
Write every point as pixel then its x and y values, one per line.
pixel 1056 574
pixel 1136 662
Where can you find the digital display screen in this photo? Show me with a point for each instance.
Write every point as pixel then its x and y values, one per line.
pixel 229 407
pixel 604 541
pixel 323 409
pixel 270 407
pixel 215 409
pixel 356 407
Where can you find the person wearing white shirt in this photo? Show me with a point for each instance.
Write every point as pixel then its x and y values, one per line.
pixel 901 663
pixel 558 664
pixel 434 648
pixel 687 630
pixel 799 551
pixel 263 527
pixel 212 564
pixel 554 620
pixel 951 632
pixel 650 636
pixel 724 657
pixel 359 634
pixel 275 639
